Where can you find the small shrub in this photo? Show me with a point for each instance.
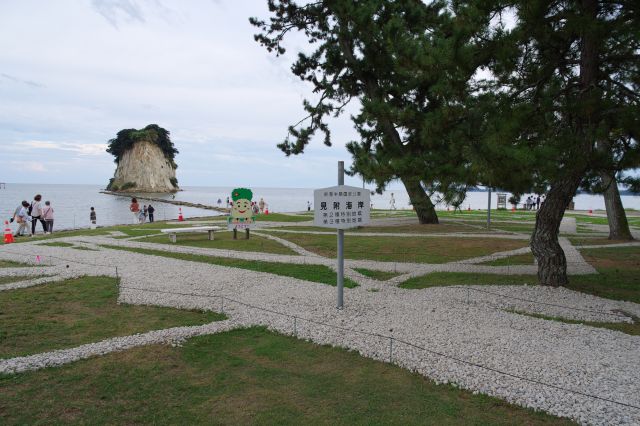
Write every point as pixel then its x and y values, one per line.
pixel 128 185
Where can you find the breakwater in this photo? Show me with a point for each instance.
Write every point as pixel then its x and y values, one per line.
pixel 173 202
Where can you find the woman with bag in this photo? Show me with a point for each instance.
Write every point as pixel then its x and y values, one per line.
pixel 47 215
pixel 35 211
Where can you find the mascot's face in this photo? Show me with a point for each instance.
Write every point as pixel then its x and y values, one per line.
pixel 241 209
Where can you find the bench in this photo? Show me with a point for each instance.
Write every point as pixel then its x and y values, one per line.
pixel 173 232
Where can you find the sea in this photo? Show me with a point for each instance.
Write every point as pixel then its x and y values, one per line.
pixel 72 203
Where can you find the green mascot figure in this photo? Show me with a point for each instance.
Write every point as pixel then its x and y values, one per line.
pixel 241 216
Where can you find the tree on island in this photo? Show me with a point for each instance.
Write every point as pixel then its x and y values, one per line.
pixel 126 138
pixel 409 64
pixel 125 141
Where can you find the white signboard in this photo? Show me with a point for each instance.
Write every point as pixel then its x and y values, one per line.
pixel 341 207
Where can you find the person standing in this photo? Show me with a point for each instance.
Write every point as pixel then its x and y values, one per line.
pixel 135 209
pixel 219 202
pixel 227 202
pixel 261 204
pixel 92 218
pixel 308 206
pixel 36 214
pixel 23 219
pixel 150 211
pixel 392 203
pixel 538 202
pixel 47 215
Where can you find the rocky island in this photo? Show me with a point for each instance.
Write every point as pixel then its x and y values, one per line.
pixel 145 160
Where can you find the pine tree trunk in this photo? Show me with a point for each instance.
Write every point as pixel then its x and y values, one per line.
pixel 552 264
pixel 618 225
pixel 425 209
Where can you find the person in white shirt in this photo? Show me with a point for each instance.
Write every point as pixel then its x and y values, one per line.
pixel 392 203
pixel 22 219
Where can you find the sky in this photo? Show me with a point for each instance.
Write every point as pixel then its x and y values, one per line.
pixel 75 72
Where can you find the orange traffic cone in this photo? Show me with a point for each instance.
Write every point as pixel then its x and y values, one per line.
pixel 180 217
pixel 8 235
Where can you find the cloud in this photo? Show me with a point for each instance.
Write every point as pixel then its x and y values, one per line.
pixel 30 83
pixel 115 11
pixel 78 148
pixel 29 166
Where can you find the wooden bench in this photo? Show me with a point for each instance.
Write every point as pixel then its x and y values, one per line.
pixel 173 232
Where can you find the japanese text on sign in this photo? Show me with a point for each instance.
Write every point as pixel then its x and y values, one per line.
pixel 341 207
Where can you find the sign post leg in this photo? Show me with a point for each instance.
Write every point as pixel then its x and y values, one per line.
pixel 489 209
pixel 340 256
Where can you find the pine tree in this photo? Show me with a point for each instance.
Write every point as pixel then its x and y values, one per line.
pixel 569 79
pixel 410 65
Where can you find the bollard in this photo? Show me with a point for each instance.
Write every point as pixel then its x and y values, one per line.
pixel 117 273
pixel 295 327
pixel 222 304
pixel 390 350
pixel 468 291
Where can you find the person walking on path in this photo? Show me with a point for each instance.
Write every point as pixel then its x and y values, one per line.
pixel 135 209
pixel 23 219
pixel 538 202
pixel 47 215
pixel 392 203
pixel 92 218
pixel 150 211
pixel 36 214
pixel 261 204
pixel 308 206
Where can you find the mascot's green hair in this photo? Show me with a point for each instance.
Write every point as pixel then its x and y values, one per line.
pixel 241 194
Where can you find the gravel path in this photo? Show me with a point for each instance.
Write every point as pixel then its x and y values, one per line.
pixel 467 327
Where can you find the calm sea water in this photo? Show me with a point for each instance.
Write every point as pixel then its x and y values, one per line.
pixel 72 202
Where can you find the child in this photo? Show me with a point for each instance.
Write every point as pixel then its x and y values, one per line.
pixel 92 218
pixel 47 215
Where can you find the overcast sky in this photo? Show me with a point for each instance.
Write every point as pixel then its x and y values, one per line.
pixel 75 72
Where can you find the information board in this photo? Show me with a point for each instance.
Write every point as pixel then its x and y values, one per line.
pixel 341 207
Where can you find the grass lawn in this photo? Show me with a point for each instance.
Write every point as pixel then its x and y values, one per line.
pixel 377 275
pixel 224 240
pixel 12 264
pixel 57 244
pixel 619 273
pixel 16 278
pixel 315 273
pixel 404 249
pixel 280 217
pixel 519 259
pixel 588 241
pixel 249 376
pixel 78 311
pixel 632 329
pixel 617 277
pixel 440 279
pixel 404 229
pixel 513 227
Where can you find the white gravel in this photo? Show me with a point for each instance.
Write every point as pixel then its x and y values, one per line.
pixel 583 359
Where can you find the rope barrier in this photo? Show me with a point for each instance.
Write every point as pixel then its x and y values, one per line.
pixel 391 340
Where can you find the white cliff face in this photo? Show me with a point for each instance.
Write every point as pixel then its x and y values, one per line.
pixel 147 167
